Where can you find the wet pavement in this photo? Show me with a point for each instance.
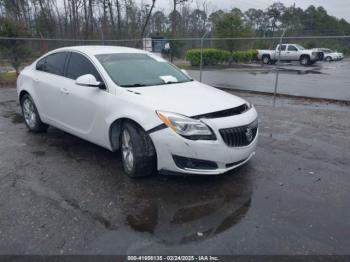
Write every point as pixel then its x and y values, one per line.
pixel 62 195
pixel 329 80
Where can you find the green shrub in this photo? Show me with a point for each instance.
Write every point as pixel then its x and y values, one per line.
pixel 244 56
pixel 211 56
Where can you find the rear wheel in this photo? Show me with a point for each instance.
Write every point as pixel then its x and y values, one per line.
pixel 305 60
pixel 137 151
pixel 31 115
pixel 266 59
pixel 328 59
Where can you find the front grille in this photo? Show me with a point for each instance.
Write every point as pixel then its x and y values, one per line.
pixel 241 135
pixel 225 113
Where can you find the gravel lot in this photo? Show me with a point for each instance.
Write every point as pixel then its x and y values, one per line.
pixel 62 195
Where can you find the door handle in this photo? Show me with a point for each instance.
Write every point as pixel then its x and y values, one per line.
pixel 64 91
pixel 36 80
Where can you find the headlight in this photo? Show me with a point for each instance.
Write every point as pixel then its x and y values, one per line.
pixel 187 127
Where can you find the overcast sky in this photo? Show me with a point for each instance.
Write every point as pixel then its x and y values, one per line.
pixel 338 8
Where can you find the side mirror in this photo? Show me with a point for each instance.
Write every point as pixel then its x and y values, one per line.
pixel 89 80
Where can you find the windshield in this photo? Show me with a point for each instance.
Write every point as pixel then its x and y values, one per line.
pixel 135 70
pixel 300 47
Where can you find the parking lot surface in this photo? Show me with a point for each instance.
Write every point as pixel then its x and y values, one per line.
pixel 62 195
pixel 328 80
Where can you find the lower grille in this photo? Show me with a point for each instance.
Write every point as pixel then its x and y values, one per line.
pixel 191 163
pixel 241 135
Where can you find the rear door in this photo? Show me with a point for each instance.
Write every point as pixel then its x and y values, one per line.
pixel 48 83
pixel 283 52
pixel 292 53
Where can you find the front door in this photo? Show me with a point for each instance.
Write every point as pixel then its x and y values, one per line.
pixel 81 104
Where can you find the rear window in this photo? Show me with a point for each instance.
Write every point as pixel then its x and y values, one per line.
pixel 283 48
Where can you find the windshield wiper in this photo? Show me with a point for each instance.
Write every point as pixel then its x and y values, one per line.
pixel 134 85
pixel 156 84
pixel 176 82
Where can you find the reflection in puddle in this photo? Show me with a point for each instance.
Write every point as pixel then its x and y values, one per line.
pixel 288 71
pixel 181 210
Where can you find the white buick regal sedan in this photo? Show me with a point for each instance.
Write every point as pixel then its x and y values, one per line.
pixel 136 102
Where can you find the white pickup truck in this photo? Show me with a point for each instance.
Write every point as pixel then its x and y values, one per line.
pixel 290 52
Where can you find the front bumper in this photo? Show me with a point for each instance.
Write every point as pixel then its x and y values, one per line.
pixel 167 144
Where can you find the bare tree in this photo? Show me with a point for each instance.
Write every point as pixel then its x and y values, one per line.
pixel 118 15
pixel 147 19
pixel 173 16
pixel 111 17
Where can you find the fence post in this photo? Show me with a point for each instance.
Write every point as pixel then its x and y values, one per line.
pixel 277 69
pixel 201 61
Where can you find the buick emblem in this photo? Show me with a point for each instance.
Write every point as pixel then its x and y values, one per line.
pixel 249 134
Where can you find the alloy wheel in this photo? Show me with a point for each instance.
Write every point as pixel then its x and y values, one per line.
pixel 127 151
pixel 29 113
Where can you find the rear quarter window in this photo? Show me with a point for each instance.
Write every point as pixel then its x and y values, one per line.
pixel 53 63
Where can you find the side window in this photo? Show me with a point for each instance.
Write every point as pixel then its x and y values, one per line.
pixel 40 65
pixel 54 63
pixel 292 48
pixel 79 65
pixel 283 48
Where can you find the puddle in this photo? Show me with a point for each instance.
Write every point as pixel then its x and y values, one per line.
pixel 178 211
pixel 289 71
pixel 39 153
pixel 174 211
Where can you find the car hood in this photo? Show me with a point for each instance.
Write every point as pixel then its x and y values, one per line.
pixel 190 98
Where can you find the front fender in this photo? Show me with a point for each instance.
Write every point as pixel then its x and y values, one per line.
pixel 145 116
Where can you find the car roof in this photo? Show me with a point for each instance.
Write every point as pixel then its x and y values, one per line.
pixel 99 49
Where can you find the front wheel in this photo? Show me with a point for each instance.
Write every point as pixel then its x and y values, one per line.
pixel 328 59
pixel 31 115
pixel 137 151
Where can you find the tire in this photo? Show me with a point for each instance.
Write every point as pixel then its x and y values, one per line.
pixel 305 60
pixel 266 59
pixel 31 115
pixel 328 59
pixel 137 151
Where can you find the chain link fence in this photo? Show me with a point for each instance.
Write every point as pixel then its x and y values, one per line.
pixel 233 64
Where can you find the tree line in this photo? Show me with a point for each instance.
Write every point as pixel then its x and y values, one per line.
pixel 120 19
pixel 124 19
